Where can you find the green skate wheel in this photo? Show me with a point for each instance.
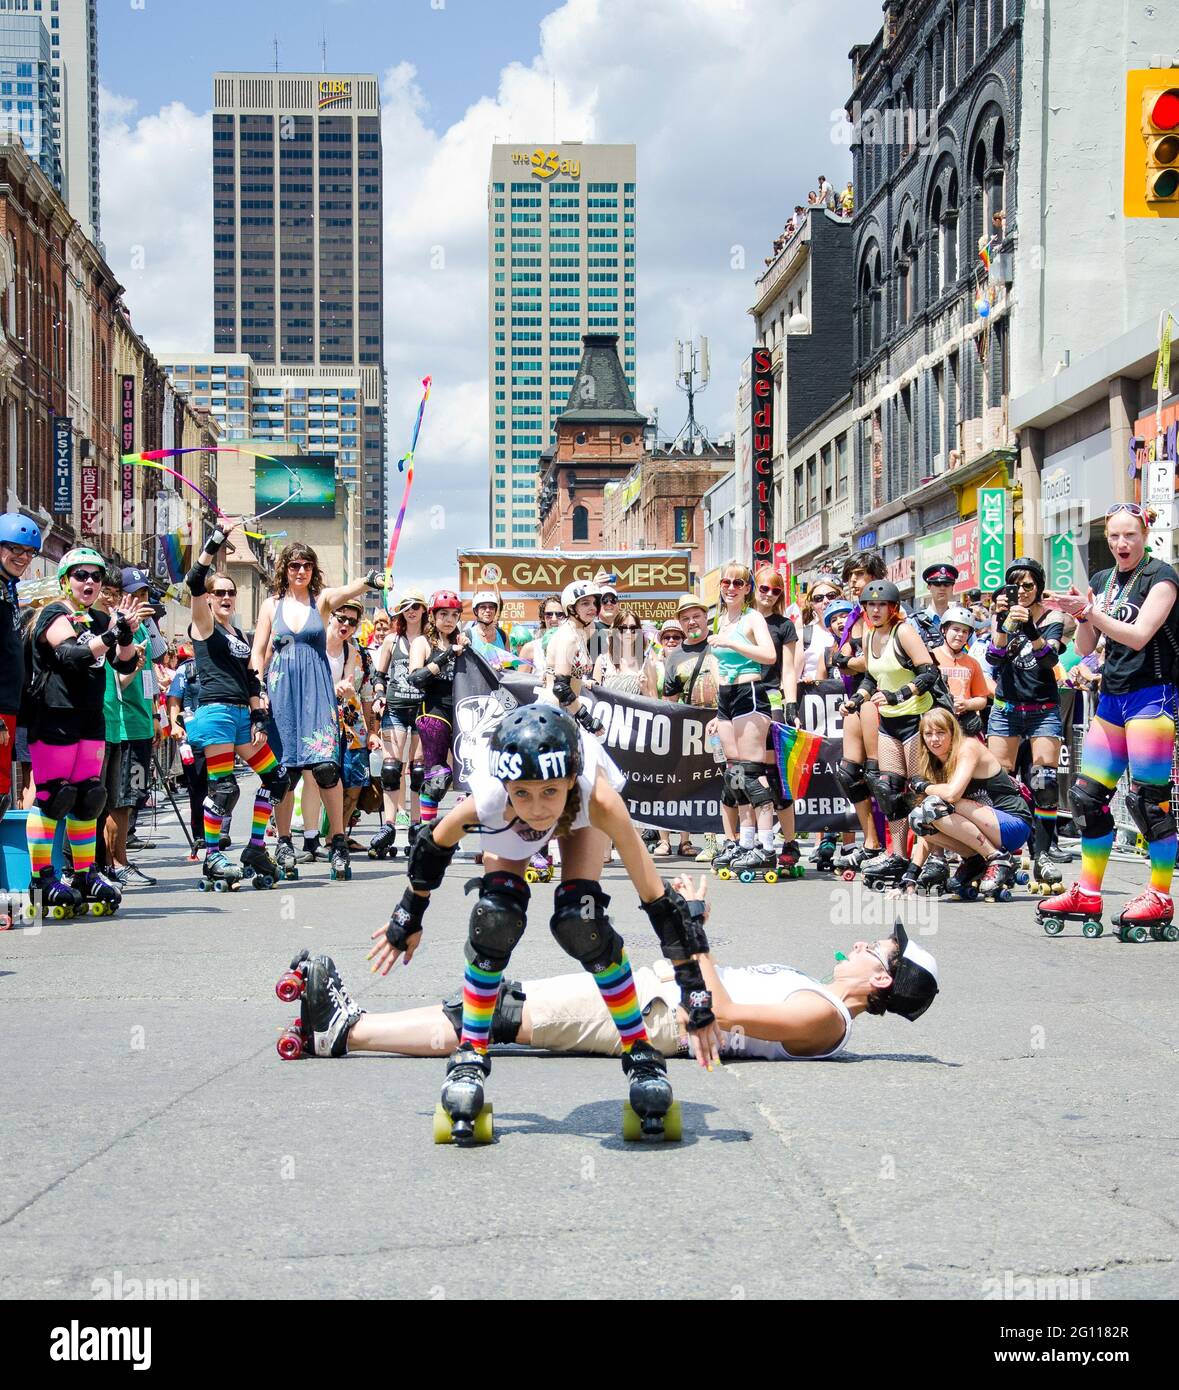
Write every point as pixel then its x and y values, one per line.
pixel 1053 926
pixel 28 913
pixel 202 885
pixel 632 1126
pixel 57 912
pixel 1092 929
pixel 1171 932
pixel 798 872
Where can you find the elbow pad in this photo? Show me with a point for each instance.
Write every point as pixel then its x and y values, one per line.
pixel 76 655
pixel 428 861
pixel 421 677
pixel 253 683
pixel 563 690
pixel 678 923
pixel 197 580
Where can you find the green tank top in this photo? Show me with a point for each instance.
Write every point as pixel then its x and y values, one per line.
pixel 730 664
pixel 890 672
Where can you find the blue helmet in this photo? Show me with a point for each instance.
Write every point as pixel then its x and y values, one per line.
pixel 16 529
pixel 840 608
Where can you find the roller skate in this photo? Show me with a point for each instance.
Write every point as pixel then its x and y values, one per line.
pixel 340 861
pixel 851 859
pixel 539 870
pixel 102 897
pixel 962 883
pixel 259 867
pixel 708 850
pixel 823 858
pixel 286 859
pixel 884 871
pixel 309 854
pixel 383 844
pixel 218 874
pixel 788 861
pixel 1150 912
pixel 650 1113
pixel 756 864
pixel 1074 905
pixel 723 859
pixel 59 899
pixel 1045 876
pixel 461 1117
pixel 326 1013
pixel 934 875
pixel 998 879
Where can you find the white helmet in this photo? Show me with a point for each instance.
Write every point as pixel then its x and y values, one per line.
pixel 579 589
pixel 957 614
pixel 484 596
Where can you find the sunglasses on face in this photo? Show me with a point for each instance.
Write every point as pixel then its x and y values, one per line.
pixel 345 622
pixel 299 565
pixel 672 637
pixel 225 593
pixel 414 608
pixel 768 589
pixel 609 598
pixel 87 577
pixel 732 583
pixel 630 627
pixel 823 598
pixel 556 613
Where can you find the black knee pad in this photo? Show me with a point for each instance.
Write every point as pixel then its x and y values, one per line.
pixel 277 782
pixel 56 798
pixel 391 774
pixel 582 927
pixel 850 777
pixel 889 790
pixel 779 791
pixel 417 775
pixel 1089 802
pixel 1149 805
pixel 505 1021
pixel 734 780
pixel 90 799
pixel 438 783
pixel 327 775
pixel 497 919
pixel 224 793
pixel 757 789
pixel 1045 788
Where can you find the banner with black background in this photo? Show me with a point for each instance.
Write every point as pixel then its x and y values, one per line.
pixel 673 781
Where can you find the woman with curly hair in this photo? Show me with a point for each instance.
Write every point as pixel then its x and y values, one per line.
pixel 291 638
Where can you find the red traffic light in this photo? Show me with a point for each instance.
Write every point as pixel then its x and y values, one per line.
pixel 1164 113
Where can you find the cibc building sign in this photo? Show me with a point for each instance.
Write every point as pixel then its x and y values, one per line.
pixel 761 397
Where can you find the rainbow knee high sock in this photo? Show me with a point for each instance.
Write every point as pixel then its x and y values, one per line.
pixel 1095 852
pixel 81 835
pixel 41 831
pixel 261 818
pixel 617 986
pixel 219 765
pixel 480 988
pixel 429 805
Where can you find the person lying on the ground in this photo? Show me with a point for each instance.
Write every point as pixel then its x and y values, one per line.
pixel 771 1012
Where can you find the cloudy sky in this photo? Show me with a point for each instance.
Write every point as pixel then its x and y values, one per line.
pixel 729 102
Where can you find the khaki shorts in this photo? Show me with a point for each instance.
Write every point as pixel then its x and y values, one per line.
pixel 568 1013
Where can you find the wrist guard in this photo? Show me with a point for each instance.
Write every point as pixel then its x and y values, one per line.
pixel 375 579
pixel 918 786
pixel 380 684
pixel 122 632
pixel 428 861
pixel 894 697
pixel 107 638
pixel 695 998
pixel 839 659
pixel 258 718
pixel 790 710
pixel 678 923
pixel 406 919
pixel 588 722
pixel 926 678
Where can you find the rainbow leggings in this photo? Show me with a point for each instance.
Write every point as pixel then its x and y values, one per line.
pixel 1135 731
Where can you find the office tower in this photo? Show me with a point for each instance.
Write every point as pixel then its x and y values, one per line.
pixel 297 245
pixel 26 90
pixel 561 263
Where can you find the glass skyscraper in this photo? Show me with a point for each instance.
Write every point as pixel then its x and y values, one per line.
pixel 26 90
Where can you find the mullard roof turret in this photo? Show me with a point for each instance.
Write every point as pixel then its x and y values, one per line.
pixel 600 395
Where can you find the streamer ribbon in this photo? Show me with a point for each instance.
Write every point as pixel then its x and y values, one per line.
pixel 406 458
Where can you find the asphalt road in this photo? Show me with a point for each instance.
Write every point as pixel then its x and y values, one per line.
pixel 1023 1129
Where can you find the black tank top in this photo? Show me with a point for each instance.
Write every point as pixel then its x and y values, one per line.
pixel 1000 792
pixel 438 692
pixel 222 664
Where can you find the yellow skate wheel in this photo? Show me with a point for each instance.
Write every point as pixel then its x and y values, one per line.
pixel 57 912
pixel 441 1126
pixel 771 876
pixel 632 1126
pixel 531 876
pixel 724 873
pixel 484 1126
pixel 28 913
pixel 673 1124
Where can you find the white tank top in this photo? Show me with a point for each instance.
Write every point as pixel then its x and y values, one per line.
pixel 768 984
pixel 503 833
pixel 821 639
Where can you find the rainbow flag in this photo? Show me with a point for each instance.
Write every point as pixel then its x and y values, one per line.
pixel 172 543
pixel 797 752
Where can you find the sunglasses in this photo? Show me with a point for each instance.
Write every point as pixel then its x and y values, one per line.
pixel 1026 584
pixel 768 589
pixel 299 565
pixel 1132 507
pixel 225 593
pixel 671 637
pixel 555 613
pixel 823 598
pixel 630 627
pixel 609 598
pixel 87 576
pixel 732 583
pixel 345 622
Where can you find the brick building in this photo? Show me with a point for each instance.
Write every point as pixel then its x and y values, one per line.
pixel 600 439
pixel 658 505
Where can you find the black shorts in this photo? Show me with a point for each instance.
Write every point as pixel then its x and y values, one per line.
pixel 736 701
pixel 65 726
pixel 902 727
pixel 136 772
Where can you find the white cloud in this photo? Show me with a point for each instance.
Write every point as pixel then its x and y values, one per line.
pixel 729 105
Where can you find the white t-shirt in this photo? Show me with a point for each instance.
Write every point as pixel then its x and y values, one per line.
pixel 821 639
pixel 503 833
pixel 767 984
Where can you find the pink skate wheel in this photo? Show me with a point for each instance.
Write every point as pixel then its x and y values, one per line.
pixel 290 1047
pixel 289 987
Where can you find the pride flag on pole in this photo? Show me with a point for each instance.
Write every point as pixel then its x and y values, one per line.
pixel 797 753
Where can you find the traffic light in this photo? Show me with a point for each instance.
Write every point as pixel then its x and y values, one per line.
pixel 1151 186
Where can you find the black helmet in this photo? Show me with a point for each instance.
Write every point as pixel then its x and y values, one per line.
pixel 1033 567
pixel 535 743
pixel 880 591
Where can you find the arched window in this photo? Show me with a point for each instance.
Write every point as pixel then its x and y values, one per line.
pixel 580 524
pixel 934 241
pixel 999 167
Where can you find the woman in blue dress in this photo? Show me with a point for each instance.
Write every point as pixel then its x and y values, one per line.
pixel 290 648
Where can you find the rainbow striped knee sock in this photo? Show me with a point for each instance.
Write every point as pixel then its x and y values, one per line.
pixel 480 989
pixel 81 835
pixel 1095 854
pixel 617 986
pixel 41 831
pixel 261 818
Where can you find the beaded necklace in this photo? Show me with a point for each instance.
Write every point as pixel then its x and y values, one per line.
pixel 1123 589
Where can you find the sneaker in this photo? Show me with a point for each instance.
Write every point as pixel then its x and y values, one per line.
pixel 401 820
pixel 135 875
pixel 708 853
pixel 134 842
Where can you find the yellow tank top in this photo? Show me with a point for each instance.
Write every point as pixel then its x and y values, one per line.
pixel 890 672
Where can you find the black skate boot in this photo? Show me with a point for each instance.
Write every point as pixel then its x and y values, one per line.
pixel 259 866
pixel 851 858
pixel 999 877
pixel 383 844
pixel 723 859
pixel 756 865
pixel 934 875
pixel 823 859
pixel 326 1014
pixel 286 859
pixel 462 1117
pixel 963 882
pixel 650 1112
pixel 101 895
pixel 59 899
pixel 341 861
pixel 309 854
pixel 1046 878
pixel 218 874
pixel 884 870
pixel 224 842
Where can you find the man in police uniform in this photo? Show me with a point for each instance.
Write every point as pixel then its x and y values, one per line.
pixel 941 578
